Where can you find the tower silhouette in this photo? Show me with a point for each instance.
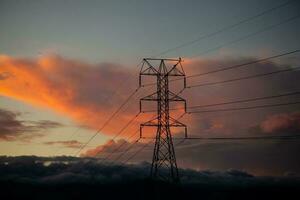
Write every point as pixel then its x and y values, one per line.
pixel 164 166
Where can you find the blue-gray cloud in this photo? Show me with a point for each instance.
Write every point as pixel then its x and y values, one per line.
pixel 12 128
pixel 64 177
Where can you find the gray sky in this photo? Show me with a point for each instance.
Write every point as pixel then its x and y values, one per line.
pixel 126 31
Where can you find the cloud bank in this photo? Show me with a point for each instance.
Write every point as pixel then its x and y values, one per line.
pixel 70 87
pixel 87 93
pixel 77 178
pixel 72 169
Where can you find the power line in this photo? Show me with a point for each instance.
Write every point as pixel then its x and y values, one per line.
pixel 122 129
pixel 233 66
pixel 245 108
pixel 247 100
pixel 244 64
pixel 119 133
pixel 118 147
pixel 294 136
pixel 234 102
pixel 138 151
pixel 180 142
pixel 107 121
pixel 223 29
pixel 286 137
pixel 128 149
pixel 243 78
pixel 279 137
pixel 237 79
pixel 248 36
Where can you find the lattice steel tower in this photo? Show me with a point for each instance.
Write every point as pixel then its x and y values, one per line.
pixel 164 166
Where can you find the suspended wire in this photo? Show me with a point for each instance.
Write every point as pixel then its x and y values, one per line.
pixel 286 137
pixel 244 64
pixel 118 147
pixel 232 80
pixel 120 132
pixel 132 145
pixel 271 137
pixel 248 36
pixel 245 108
pixel 107 121
pixel 220 138
pixel 122 144
pixel 232 66
pixel 224 29
pixel 107 97
pixel 180 142
pixel 248 100
pixel 181 116
pixel 137 152
pixel 279 137
pixel 122 129
pixel 127 150
pixel 237 101
pixel 243 78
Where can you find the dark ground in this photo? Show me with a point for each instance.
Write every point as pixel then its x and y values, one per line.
pixel 146 190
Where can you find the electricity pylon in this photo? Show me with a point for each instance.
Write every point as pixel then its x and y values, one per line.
pixel 164 166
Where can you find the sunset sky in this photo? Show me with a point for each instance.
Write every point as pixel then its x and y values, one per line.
pixel 66 66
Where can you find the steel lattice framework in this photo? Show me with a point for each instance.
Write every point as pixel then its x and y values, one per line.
pixel 164 166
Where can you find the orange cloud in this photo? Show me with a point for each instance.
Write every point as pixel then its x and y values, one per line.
pixel 85 92
pixel 285 122
pixel 70 87
pixel 112 149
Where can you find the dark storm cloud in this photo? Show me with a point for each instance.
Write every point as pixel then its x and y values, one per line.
pixel 69 169
pixel 66 169
pixel 78 178
pixel 11 128
pixel 259 157
pixel 9 125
